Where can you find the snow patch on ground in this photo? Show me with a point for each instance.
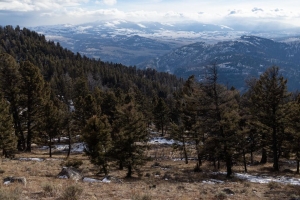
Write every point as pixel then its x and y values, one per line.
pixel 105 180
pixel 212 181
pixel 161 140
pixel 7 183
pixel 63 177
pixel 259 178
pixel 76 147
pixel 268 179
pixel 90 180
pixel 31 159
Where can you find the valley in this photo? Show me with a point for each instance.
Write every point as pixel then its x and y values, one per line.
pixel 185 49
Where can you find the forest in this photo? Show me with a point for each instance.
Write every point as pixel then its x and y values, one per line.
pixel 48 92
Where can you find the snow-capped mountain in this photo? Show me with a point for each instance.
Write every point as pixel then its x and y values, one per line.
pixel 237 60
pixel 184 48
pixel 131 43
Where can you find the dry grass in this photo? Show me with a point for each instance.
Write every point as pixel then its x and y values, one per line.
pixel 161 178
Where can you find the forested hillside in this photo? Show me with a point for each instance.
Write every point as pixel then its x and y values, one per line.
pixel 48 92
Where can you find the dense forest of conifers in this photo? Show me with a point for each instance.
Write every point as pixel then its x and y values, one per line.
pixel 47 91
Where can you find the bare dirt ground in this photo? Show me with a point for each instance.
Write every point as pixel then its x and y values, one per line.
pixel 161 178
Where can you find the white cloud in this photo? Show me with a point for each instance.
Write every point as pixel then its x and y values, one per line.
pixel 39 12
pixel 110 2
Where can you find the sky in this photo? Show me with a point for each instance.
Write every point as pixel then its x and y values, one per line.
pixel 51 12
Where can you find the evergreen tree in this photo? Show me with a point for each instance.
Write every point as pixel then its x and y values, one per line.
pixel 193 108
pixel 52 121
pixel 7 135
pixel 223 120
pixel 34 96
pixel 10 82
pixel 129 137
pixel 179 133
pixel 97 138
pixel 85 108
pixel 161 115
pixel 293 122
pixel 268 99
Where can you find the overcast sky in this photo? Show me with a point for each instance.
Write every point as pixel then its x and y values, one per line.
pixel 45 12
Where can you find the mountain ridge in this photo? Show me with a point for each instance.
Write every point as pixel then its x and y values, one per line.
pixel 237 60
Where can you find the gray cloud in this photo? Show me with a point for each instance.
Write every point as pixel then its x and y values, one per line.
pixel 257 10
pixel 232 12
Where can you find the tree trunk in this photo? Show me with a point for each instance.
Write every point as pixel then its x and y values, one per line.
pixel 29 137
pixel 215 166
pixel 162 128
pixel 121 165
pixel 263 156
pixel 21 138
pixel 198 164
pixel 275 150
pixel 198 153
pixel 50 148
pixel 228 166
pixel 251 157
pixel 129 172
pixel 184 151
pixel 69 142
pixel 298 166
pixel 245 163
pixel 104 168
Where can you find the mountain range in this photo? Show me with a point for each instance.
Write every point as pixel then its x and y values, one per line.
pixel 185 48
pixel 237 60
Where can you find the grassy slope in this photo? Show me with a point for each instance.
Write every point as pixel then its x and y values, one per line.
pixel 161 178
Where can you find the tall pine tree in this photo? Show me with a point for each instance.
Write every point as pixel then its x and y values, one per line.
pixel 268 98
pixel 7 135
pixel 34 97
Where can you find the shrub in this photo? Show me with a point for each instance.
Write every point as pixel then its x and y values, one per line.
pixel 72 163
pixel 247 184
pixel 141 197
pixel 49 190
pixel 72 192
pixel 10 193
pixel 221 195
pixel 272 185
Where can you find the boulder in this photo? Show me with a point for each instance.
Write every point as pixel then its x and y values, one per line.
pixel 228 191
pixel 12 179
pixel 70 173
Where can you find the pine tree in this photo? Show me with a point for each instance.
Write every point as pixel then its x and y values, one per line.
pixel 268 99
pixel 10 82
pixel 293 122
pixel 97 137
pixel 161 115
pixel 192 108
pixel 34 97
pixel 223 119
pixel 129 137
pixel 52 121
pixel 85 108
pixel 7 135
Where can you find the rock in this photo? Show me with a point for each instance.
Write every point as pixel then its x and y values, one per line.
pixel 12 179
pixel 90 180
pixel 109 179
pixel 228 191
pixel 152 186
pixel 70 173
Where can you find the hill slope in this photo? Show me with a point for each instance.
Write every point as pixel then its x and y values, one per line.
pixel 57 64
pixel 238 60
